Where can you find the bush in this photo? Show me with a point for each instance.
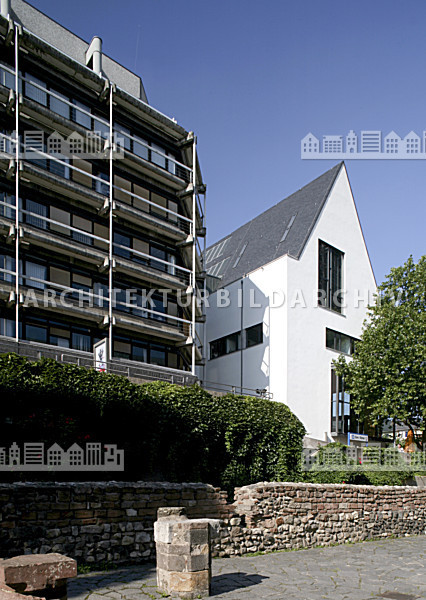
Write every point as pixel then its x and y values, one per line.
pixel 168 432
pixel 334 466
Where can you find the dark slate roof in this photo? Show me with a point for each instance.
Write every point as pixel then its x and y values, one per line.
pixel 264 239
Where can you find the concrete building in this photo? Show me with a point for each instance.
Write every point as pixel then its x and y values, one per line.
pixel 289 293
pixel 101 207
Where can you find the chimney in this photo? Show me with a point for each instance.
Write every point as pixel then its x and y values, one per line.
pixel 5 8
pixel 94 55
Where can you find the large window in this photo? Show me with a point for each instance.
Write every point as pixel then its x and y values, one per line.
pixel 343 418
pixel 235 341
pixel 339 341
pixel 330 277
pixel 254 335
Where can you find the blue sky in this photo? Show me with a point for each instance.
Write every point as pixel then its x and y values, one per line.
pixel 252 78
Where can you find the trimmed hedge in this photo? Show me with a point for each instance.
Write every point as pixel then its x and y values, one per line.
pixel 362 474
pixel 168 432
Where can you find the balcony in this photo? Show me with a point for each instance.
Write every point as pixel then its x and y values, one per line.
pixel 138 372
pixel 91 307
pixel 46 106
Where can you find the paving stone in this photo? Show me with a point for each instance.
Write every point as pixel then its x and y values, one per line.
pixel 348 572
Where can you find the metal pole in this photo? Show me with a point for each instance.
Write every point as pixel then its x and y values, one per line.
pixel 194 241
pixel 241 336
pixel 17 152
pixel 205 292
pixel 111 238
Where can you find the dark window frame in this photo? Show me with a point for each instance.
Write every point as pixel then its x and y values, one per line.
pixel 330 277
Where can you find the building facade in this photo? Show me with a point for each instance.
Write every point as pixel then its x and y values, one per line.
pixel 289 293
pixel 101 207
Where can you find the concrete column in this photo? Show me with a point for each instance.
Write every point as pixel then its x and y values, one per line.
pixel 183 553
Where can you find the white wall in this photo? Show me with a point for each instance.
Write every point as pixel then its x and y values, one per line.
pixel 309 361
pixel 246 308
pixel 293 362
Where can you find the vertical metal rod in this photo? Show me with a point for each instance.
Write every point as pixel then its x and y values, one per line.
pixel 111 238
pixel 194 242
pixel 205 291
pixel 241 336
pixel 17 157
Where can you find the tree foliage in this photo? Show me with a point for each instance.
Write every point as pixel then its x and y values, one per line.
pixel 387 376
pixel 168 432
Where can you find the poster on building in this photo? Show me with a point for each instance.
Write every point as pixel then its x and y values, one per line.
pixel 100 353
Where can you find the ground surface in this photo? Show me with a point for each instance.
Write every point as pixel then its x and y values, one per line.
pixel 393 569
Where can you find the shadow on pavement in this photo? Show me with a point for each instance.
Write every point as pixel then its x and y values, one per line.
pixel 233 581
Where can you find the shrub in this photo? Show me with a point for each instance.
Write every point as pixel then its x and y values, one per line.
pixel 168 432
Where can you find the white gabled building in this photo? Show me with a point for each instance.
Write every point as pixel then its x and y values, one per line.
pixel 276 318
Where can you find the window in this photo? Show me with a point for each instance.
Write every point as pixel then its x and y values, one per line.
pixel 83 225
pixel 33 91
pixel 330 265
pixel 161 254
pixel 225 345
pixel 36 333
pixel 140 148
pixel 254 335
pixel 343 418
pixel 81 341
pixel 35 275
pixel 121 240
pixel 37 209
pixel 7 201
pixel 7 327
pixel 158 157
pixel 59 105
pixel 339 341
pixel 80 117
pixel 158 356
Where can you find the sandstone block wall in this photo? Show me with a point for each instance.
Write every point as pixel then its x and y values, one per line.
pixel 96 522
pixel 113 522
pixel 277 516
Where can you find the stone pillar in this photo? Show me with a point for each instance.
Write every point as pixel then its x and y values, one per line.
pixel 183 553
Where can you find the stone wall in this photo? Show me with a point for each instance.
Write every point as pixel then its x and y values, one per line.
pixel 277 516
pixel 96 522
pixel 113 522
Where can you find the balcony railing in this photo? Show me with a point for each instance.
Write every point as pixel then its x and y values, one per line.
pixel 70 297
pixel 65 108
pixel 64 169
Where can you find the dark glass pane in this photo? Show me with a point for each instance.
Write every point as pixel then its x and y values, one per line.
pixel 254 335
pixel 158 357
pixel 35 334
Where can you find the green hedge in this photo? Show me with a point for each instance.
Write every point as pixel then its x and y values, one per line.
pixel 168 432
pixel 345 471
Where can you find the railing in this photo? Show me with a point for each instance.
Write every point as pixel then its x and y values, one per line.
pixel 236 389
pixel 151 153
pixel 87 298
pixel 35 351
pixel 64 168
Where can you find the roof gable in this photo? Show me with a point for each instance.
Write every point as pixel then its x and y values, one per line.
pixel 281 229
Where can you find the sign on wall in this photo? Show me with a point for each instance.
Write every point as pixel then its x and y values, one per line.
pixel 100 353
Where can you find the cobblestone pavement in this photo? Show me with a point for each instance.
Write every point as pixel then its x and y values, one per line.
pixel 392 569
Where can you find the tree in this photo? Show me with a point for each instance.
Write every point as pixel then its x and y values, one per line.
pixel 387 376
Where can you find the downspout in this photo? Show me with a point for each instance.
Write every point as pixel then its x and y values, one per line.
pixel 241 336
pixel 17 165
pixel 5 8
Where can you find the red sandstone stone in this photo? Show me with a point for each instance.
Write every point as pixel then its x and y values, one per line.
pixel 32 572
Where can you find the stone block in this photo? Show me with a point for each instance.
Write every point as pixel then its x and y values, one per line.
pixel 8 593
pixel 186 585
pixel 35 572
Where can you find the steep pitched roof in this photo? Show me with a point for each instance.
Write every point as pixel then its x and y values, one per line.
pixel 282 229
